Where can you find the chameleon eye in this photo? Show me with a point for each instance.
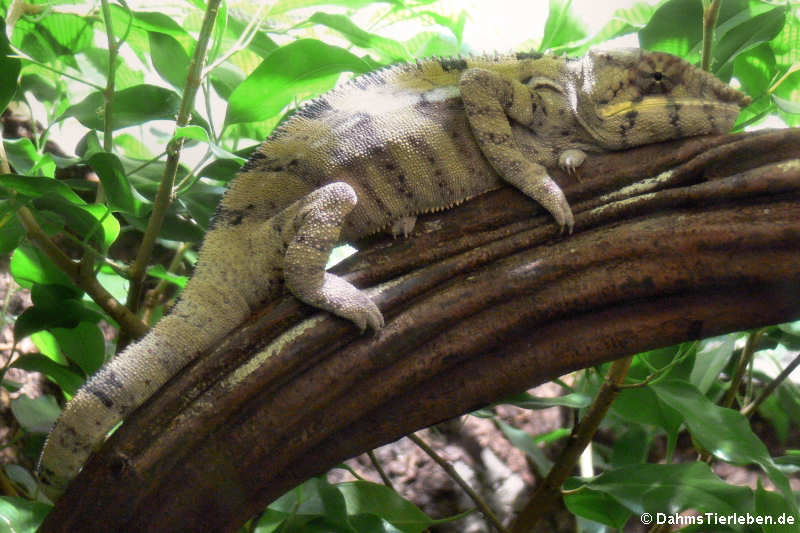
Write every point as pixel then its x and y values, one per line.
pixel 657 76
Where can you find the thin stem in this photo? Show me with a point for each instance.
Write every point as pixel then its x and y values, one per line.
pixel 97 292
pixel 154 296
pixel 19 54
pixel 479 503
pixel 548 493
pixel 126 319
pixel 241 43
pixel 108 92
pixel 771 386
pixel 164 195
pixel 709 21
pixel 377 465
pixel 744 360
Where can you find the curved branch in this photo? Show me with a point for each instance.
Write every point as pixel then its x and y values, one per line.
pixel 483 302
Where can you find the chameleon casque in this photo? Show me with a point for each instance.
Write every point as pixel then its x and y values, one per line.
pixel 370 155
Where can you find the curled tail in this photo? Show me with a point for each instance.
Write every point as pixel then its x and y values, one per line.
pixel 205 313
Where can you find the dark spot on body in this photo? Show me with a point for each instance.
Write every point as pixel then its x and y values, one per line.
pixel 253 162
pixel 112 379
pixel 529 55
pixel 100 395
pixel 674 117
pixel 453 63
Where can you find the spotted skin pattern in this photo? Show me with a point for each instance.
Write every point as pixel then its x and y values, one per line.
pixel 371 155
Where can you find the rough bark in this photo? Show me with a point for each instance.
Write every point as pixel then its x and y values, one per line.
pixel 484 301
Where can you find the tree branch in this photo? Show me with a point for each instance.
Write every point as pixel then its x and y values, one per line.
pixel 677 241
pixel 164 195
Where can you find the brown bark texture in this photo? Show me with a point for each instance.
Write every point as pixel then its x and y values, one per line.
pixel 672 242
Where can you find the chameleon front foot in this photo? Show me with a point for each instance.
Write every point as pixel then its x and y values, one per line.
pixel 551 197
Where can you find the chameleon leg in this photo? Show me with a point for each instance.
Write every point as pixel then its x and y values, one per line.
pixel 489 100
pixel 318 222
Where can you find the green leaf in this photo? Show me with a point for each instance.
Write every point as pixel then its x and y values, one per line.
pixel 528 401
pixel 48 345
pixel 597 506
pixel 429 44
pixel 11 230
pixel 121 196
pixel 70 33
pixel 57 36
pixel 38 318
pixel 771 411
pixel 35 187
pixel 771 505
pixel 723 432
pixel 20 515
pixel 282 6
pixel 199 134
pixel 128 108
pixel 261 44
pixel 161 23
pixel 362 497
pixel 752 31
pixel 562 26
pixel 43 89
pixel 29 265
pixel 456 26
pixel 754 69
pixel 389 50
pixel 711 358
pixel 22 154
pixel 671 489
pixel 644 406
pixel 65 378
pixel 35 414
pixel 298 70
pixel 623 22
pixel 158 271
pixel 527 443
pixel 9 66
pixel 22 478
pixel 92 222
pixel 225 169
pixel 631 447
pixel 169 58
pixel 83 344
pixel 675 27
pixel 787 106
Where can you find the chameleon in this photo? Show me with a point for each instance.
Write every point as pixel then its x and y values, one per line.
pixel 371 155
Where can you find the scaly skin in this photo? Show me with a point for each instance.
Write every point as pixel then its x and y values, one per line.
pixel 373 154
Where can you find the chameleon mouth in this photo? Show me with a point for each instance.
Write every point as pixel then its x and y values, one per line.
pixel 660 103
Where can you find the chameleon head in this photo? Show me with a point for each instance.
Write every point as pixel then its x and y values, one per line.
pixel 630 97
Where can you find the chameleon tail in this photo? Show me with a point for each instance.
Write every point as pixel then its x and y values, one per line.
pixel 129 379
